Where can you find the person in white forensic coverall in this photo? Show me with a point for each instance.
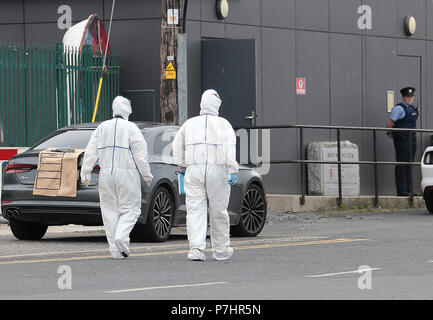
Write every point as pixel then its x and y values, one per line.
pixel 119 147
pixel 206 146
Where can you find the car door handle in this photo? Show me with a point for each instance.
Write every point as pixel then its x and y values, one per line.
pixel 252 116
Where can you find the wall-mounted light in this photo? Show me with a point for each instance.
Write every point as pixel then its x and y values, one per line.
pixel 222 9
pixel 409 25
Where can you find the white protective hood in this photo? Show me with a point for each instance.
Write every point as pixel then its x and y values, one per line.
pixel 210 102
pixel 122 107
pixel 74 35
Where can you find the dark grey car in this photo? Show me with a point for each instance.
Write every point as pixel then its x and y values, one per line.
pixel 162 206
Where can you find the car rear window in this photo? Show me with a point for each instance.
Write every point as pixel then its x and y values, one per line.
pixel 76 139
pixel 163 142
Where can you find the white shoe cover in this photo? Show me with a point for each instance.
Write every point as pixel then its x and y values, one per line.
pixel 117 255
pixel 122 247
pixel 223 255
pixel 196 255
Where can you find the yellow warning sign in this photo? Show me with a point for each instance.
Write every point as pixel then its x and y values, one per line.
pixel 170 67
pixel 170 71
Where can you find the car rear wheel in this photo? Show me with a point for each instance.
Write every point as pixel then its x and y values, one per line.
pixel 159 218
pixel 27 231
pixel 253 216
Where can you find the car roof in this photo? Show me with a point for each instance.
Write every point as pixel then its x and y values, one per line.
pixel 151 128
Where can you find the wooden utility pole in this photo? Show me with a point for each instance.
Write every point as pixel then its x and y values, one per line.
pixel 168 45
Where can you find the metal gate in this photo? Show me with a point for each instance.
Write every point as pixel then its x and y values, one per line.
pixel 46 87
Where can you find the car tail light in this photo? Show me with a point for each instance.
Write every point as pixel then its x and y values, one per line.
pixel 18 168
pixel 429 188
pixel 96 169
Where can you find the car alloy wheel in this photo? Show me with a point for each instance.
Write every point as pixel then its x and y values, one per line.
pixel 253 216
pixel 162 213
pixel 159 218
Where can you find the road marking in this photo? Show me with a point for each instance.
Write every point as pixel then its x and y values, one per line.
pixel 154 247
pixel 304 243
pixel 339 273
pixel 263 246
pixel 53 260
pixel 167 287
pixel 53 253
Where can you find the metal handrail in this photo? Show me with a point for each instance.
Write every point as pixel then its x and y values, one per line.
pixel 376 163
pixel 333 127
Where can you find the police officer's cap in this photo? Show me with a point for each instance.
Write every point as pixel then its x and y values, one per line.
pixel 408 91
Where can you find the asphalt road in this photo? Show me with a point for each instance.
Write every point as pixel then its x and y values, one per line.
pixel 297 256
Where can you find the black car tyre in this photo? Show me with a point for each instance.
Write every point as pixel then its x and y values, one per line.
pixel 27 231
pixel 429 205
pixel 159 218
pixel 253 216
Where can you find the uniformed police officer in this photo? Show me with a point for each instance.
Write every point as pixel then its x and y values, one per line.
pixel 403 115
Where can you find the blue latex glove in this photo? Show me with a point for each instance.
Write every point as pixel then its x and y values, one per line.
pixel 182 181
pixel 233 178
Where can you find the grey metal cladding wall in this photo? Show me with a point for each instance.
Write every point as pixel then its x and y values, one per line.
pixel 133 9
pixel 344 16
pixel 346 80
pixel 388 17
pixel 243 12
pixel 278 66
pixel 194 9
pixel 12 33
pixel 346 88
pixel 11 11
pixel 136 37
pixel 11 19
pixel 139 59
pixel 384 15
pixel 428 65
pixel 381 75
pixel 278 13
pixel 429 19
pixel 46 33
pixel 213 30
pixel 312 15
pixel 312 62
pixel 207 10
pixel 194 67
pixel 43 11
pixel 416 8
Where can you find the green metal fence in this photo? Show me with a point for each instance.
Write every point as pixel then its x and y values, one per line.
pixel 46 87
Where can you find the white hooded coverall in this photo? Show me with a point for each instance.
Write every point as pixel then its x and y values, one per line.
pixel 206 146
pixel 119 147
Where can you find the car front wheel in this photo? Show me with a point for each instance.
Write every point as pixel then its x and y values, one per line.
pixel 253 216
pixel 159 218
pixel 429 205
pixel 27 231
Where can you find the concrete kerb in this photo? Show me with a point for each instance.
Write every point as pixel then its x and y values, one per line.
pixel 290 203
